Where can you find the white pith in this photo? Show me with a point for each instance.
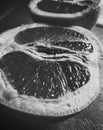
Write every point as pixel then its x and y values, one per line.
pixel 71 102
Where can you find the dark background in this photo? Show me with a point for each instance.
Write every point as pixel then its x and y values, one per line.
pixel 6 4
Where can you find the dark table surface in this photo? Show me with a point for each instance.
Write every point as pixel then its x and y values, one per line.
pixel 89 119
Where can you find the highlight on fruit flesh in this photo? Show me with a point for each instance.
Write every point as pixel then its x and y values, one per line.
pixel 47 70
pixel 65 12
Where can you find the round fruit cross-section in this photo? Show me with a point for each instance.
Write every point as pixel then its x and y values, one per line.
pixel 47 70
pixel 66 13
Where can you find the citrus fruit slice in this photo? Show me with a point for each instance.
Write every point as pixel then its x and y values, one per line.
pixel 48 71
pixel 65 12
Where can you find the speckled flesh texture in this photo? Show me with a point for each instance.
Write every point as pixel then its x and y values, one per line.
pixel 47 70
pixel 65 13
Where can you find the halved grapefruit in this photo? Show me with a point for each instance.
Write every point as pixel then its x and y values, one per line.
pixel 48 71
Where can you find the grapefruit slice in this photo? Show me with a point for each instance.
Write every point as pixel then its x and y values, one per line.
pixel 48 71
pixel 65 12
